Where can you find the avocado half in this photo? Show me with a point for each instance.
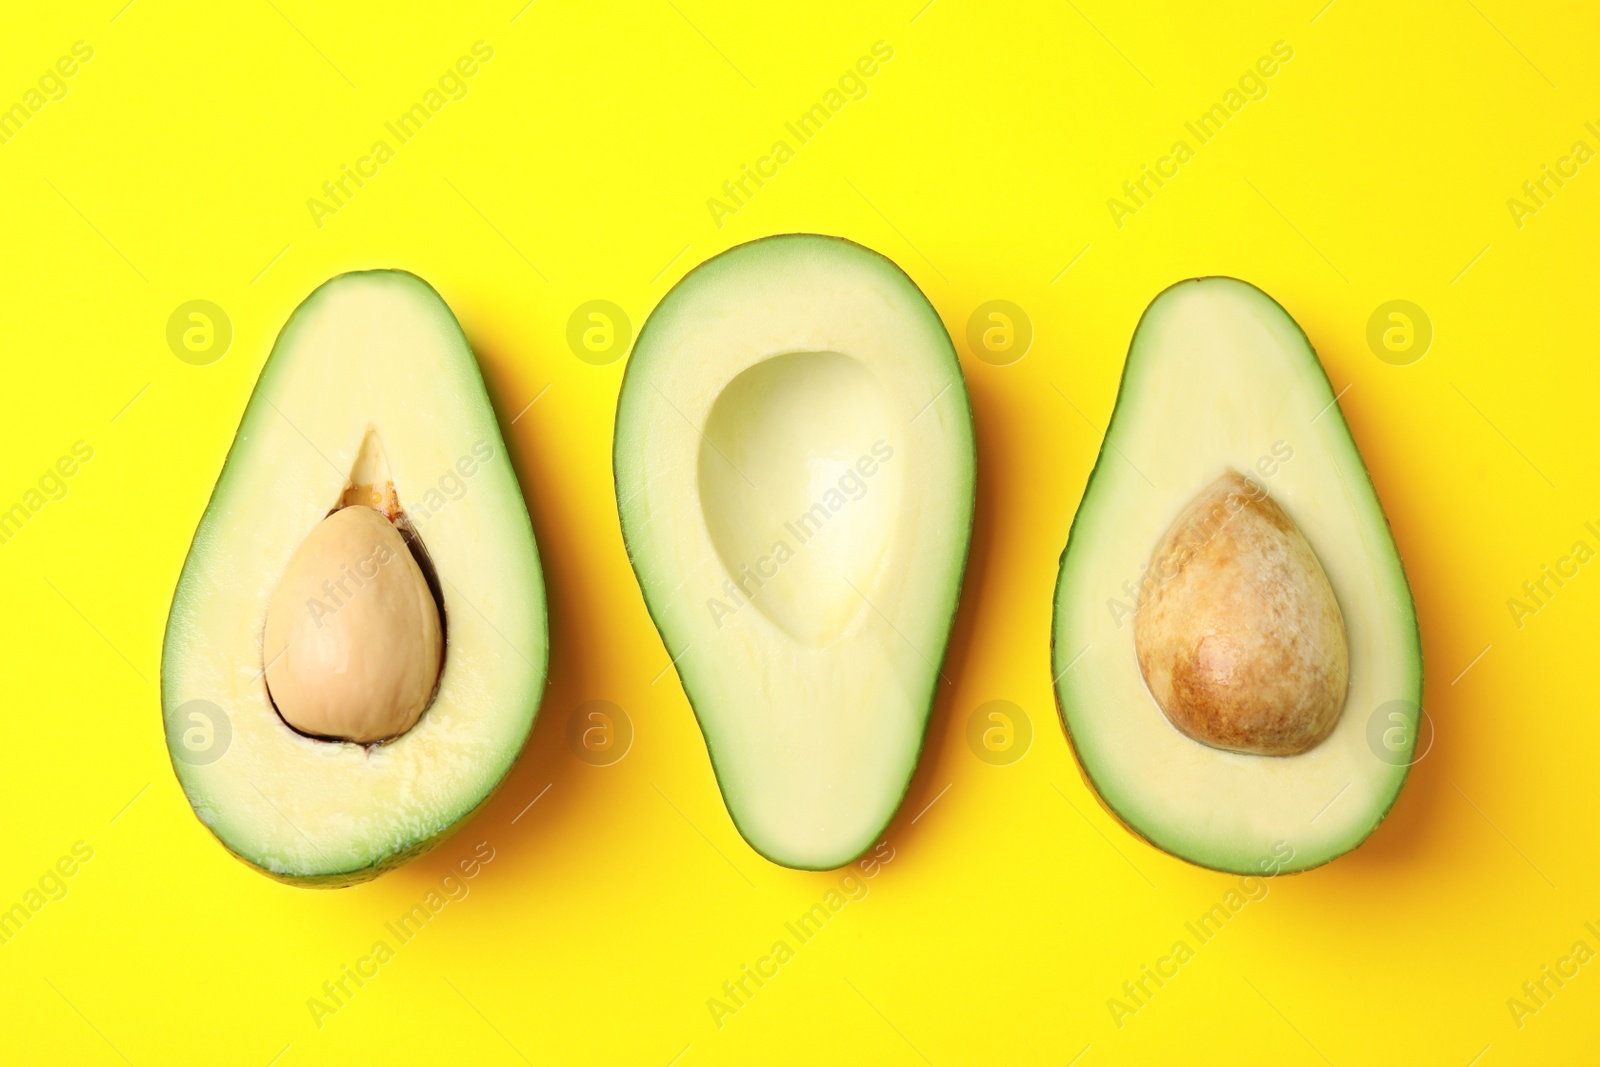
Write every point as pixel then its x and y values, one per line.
pixel 1219 378
pixel 795 475
pixel 371 385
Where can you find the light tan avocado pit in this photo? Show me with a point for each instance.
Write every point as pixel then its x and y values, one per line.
pixel 1241 640
pixel 354 641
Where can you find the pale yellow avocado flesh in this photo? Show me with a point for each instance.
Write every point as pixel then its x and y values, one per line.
pixel 794 466
pixel 1219 377
pixel 373 357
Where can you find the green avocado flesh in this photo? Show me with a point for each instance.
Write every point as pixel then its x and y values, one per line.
pixel 1220 377
pixel 371 383
pixel 795 469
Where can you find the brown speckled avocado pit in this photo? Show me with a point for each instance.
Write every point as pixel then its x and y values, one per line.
pixel 1241 641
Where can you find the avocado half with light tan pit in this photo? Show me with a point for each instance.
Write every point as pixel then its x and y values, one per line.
pixel 357 646
pixel 795 473
pixel 1235 647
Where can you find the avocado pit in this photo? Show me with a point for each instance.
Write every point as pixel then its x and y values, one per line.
pixel 353 638
pixel 1241 642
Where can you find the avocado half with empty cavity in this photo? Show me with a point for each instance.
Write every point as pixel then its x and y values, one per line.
pixel 795 474
pixel 1236 653
pixel 357 645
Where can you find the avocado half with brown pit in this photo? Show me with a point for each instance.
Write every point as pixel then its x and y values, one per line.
pixel 358 643
pixel 1231 615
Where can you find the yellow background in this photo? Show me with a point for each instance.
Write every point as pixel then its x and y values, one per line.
pixel 1377 167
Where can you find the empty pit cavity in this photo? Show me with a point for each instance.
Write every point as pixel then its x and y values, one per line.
pixel 800 474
